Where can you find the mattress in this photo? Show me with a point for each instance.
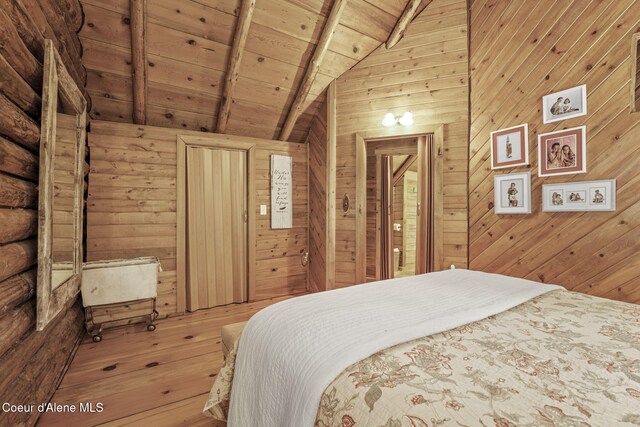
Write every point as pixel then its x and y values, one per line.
pixel 561 358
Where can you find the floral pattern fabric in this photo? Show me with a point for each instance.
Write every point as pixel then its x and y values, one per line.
pixel 561 359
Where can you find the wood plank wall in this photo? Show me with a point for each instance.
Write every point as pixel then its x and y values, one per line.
pixel 520 51
pixel 398 215
pixel 317 201
pixel 31 363
pixel 425 73
pixel 64 189
pixel 635 77
pixel 132 207
pixel 409 217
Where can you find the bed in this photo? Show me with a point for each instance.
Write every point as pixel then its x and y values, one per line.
pixel 454 348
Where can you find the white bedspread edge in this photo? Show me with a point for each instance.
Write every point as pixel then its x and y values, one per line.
pixel 291 351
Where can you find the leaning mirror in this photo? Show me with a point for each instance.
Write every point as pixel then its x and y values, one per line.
pixel 61 188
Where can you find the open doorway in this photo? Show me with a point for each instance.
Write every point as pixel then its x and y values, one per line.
pixel 399 214
pixel 404 213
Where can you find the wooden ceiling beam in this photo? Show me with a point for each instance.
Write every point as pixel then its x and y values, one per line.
pixel 405 19
pixel 312 69
pixel 404 167
pixel 139 61
pixel 235 59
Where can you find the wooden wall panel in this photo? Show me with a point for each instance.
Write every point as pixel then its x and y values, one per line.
pixel 398 212
pixel 408 235
pixel 317 201
pixel 425 73
pixel 31 363
pixel 132 207
pixel 635 72
pixel 563 44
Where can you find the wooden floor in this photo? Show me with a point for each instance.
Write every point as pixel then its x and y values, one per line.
pixel 142 378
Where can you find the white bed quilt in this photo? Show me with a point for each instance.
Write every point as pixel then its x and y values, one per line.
pixel 291 351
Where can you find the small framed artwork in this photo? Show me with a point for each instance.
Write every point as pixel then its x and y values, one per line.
pixel 579 196
pixel 510 147
pixel 562 152
pixel 512 193
pixel 565 104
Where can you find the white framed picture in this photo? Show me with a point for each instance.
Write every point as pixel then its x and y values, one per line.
pixel 564 104
pixel 562 152
pixel 585 196
pixel 512 193
pixel 281 191
pixel 510 147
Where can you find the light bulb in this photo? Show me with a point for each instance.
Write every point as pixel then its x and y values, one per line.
pixel 388 120
pixel 406 119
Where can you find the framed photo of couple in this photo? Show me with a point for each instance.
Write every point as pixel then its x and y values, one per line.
pixel 562 152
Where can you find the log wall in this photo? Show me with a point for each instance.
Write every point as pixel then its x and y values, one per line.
pixel 132 208
pixel 31 362
pixel 562 45
pixel 426 73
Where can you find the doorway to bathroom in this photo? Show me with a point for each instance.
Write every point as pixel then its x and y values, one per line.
pixel 399 238
pixel 403 174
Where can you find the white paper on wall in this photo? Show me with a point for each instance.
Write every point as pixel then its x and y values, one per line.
pixel 281 192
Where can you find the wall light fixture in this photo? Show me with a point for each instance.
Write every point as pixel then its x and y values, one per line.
pixel 390 120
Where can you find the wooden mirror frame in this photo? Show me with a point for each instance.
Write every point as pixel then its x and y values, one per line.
pixel 56 79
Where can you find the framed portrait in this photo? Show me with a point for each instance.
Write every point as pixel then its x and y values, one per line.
pixel 510 147
pixel 512 193
pixel 564 104
pixel 579 196
pixel 562 152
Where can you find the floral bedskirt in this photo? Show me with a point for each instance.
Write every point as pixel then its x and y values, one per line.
pixel 561 359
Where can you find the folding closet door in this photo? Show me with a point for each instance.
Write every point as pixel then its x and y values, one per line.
pixel 216 227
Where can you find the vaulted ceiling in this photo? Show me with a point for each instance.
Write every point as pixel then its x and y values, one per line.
pixel 190 55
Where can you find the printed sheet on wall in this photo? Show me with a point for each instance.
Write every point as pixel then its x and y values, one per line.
pixel 281 191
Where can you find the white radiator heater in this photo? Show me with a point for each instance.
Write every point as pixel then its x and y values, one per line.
pixel 105 283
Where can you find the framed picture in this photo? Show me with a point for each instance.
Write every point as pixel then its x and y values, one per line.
pixel 579 196
pixel 281 192
pixel 565 104
pixel 562 152
pixel 510 147
pixel 512 193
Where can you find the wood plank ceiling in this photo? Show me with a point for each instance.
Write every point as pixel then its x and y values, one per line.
pixel 189 46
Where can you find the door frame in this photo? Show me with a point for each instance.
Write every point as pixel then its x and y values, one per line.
pixel 361 140
pixel 223 142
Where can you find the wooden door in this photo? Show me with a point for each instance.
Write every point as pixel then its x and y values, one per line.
pixel 386 219
pixel 424 237
pixel 216 227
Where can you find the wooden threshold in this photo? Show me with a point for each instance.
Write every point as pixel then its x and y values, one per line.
pixel 159 378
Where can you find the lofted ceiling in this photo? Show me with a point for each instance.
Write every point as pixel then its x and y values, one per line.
pixel 188 51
